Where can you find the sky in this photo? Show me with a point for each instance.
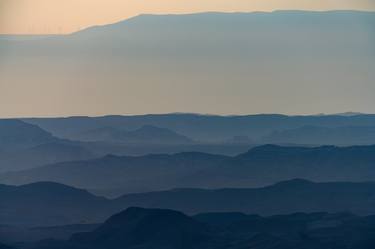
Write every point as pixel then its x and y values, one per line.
pixel 66 16
pixel 268 72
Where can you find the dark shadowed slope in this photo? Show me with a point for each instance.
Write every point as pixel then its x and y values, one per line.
pixel 168 229
pixel 16 234
pixel 299 230
pixel 141 228
pixel 2 246
pixel 16 134
pixel 137 227
pixel 259 166
pixel 46 203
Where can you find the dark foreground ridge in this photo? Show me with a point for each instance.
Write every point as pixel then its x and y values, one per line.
pixel 2 246
pixel 161 229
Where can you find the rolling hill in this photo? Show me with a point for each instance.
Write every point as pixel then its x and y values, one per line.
pixel 25 146
pixel 47 204
pixel 43 154
pixel 282 198
pixel 167 229
pixel 16 134
pixel 260 166
pixel 52 204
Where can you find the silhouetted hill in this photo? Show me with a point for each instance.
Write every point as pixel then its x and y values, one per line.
pixel 46 203
pixel 346 135
pixel 202 127
pixel 24 146
pixel 15 234
pixel 301 230
pixel 259 166
pixel 146 228
pixel 132 174
pixel 270 163
pixel 51 204
pixel 282 198
pixel 167 229
pixel 43 154
pixel 147 134
pixel 16 134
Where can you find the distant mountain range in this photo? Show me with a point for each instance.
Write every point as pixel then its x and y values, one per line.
pixel 130 174
pixel 282 198
pixel 259 166
pixel 50 204
pixel 168 229
pixel 16 134
pixel 345 135
pixel 208 128
pixel 24 145
pixel 147 134
pixel 43 154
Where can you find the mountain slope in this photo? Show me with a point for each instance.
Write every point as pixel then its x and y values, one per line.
pixel 51 204
pixel 282 198
pixel 24 146
pixel 132 174
pixel 12 235
pixel 344 135
pixel 260 166
pixel 168 229
pixel 45 203
pixel 16 134
pixel 268 164
pixel 145 135
pixel 146 228
pixel 201 127
pixel 43 154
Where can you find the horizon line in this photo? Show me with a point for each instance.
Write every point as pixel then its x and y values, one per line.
pixel 186 14
pixel 343 114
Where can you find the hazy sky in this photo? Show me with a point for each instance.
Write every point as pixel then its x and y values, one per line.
pixel 168 66
pixel 64 16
